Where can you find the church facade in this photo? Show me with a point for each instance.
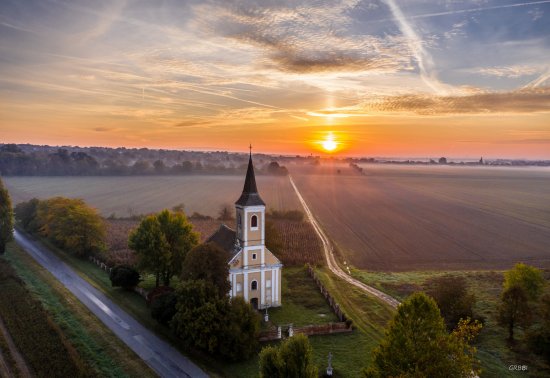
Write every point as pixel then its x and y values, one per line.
pixel 254 272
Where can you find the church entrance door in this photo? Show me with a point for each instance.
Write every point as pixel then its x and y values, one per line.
pixel 254 303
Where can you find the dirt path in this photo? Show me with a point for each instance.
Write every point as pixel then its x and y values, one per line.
pixel 331 260
pixel 22 366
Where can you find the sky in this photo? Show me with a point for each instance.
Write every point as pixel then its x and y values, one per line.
pixel 457 78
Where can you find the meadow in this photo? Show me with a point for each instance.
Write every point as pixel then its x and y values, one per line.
pixel 398 218
pixel 126 196
pixel 493 351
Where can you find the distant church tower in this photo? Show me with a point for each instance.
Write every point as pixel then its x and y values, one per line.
pixel 254 272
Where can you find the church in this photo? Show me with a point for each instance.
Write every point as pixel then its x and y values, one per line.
pixel 254 272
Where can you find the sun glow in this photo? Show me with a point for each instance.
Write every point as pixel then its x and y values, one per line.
pixel 329 144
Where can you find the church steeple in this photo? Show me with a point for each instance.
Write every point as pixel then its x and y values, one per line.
pixel 250 195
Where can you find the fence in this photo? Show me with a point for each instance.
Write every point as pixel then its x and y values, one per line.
pixel 289 330
pixel 331 301
pixel 109 269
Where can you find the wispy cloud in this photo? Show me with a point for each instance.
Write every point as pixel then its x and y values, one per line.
pixel 423 57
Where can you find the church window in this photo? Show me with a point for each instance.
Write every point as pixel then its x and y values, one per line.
pixel 254 221
pixel 268 284
pixel 239 287
pixel 254 285
pixel 253 256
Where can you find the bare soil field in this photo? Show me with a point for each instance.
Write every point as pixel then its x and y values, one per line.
pixel 398 218
pixel 126 196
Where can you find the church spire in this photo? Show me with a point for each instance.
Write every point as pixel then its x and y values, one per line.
pixel 250 195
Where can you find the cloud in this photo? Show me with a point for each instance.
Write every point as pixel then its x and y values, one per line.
pixel 513 71
pixel 519 101
pixel 306 38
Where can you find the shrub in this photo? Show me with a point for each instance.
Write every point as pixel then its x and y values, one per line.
pixel 163 307
pixel 124 276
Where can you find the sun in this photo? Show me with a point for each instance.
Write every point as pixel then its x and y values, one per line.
pixel 329 144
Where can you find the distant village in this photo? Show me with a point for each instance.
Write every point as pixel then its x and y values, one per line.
pixel 38 160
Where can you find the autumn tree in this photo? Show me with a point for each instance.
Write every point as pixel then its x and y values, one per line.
pixel 527 277
pixel 72 225
pixel 161 242
pixel 453 299
pixel 208 262
pixel 416 344
pixel 6 218
pixel 293 358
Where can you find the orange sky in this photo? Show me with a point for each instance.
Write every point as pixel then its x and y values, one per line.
pixel 385 78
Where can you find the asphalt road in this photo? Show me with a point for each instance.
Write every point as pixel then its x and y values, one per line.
pixel 158 354
pixel 331 260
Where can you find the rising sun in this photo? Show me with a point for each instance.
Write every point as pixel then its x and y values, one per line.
pixel 329 144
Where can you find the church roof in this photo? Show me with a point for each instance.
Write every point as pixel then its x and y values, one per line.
pixel 225 238
pixel 250 195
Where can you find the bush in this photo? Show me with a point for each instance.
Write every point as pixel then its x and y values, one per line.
pixel 163 307
pixel 158 291
pixel 124 276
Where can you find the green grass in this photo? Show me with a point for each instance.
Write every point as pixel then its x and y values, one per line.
pixel 493 352
pixel 302 302
pixel 97 345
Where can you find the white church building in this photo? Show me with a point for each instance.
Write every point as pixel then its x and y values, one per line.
pixel 254 272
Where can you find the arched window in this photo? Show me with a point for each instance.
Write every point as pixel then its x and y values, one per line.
pixel 254 221
pixel 254 285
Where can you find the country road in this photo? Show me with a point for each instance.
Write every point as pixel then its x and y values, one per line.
pixel 331 260
pixel 165 360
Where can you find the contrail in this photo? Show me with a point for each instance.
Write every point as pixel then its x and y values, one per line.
pixel 424 59
pixel 459 11
pixel 539 80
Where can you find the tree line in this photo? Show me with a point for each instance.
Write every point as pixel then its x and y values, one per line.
pixel 14 161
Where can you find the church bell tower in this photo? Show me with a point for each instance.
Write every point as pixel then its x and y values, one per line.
pixel 250 211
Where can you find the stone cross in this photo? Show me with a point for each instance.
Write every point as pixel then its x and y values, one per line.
pixel 329 368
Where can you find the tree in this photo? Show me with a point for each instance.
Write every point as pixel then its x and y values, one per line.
pixel 453 299
pixel 208 262
pixel 539 338
pixel 161 242
pixel 6 218
pixel 514 309
pixel 293 359
pixel 225 213
pixel 72 225
pixel 239 338
pixel 163 307
pixel 25 213
pixel 159 167
pixel 528 277
pixel 417 344
pixel 124 276
pixel 200 315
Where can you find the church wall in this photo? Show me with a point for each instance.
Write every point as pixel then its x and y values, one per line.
pixel 250 261
pixel 254 293
pixel 270 258
pixel 254 235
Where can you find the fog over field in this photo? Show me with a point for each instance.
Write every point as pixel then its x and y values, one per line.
pixel 408 218
pixel 145 194
pixel 389 217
